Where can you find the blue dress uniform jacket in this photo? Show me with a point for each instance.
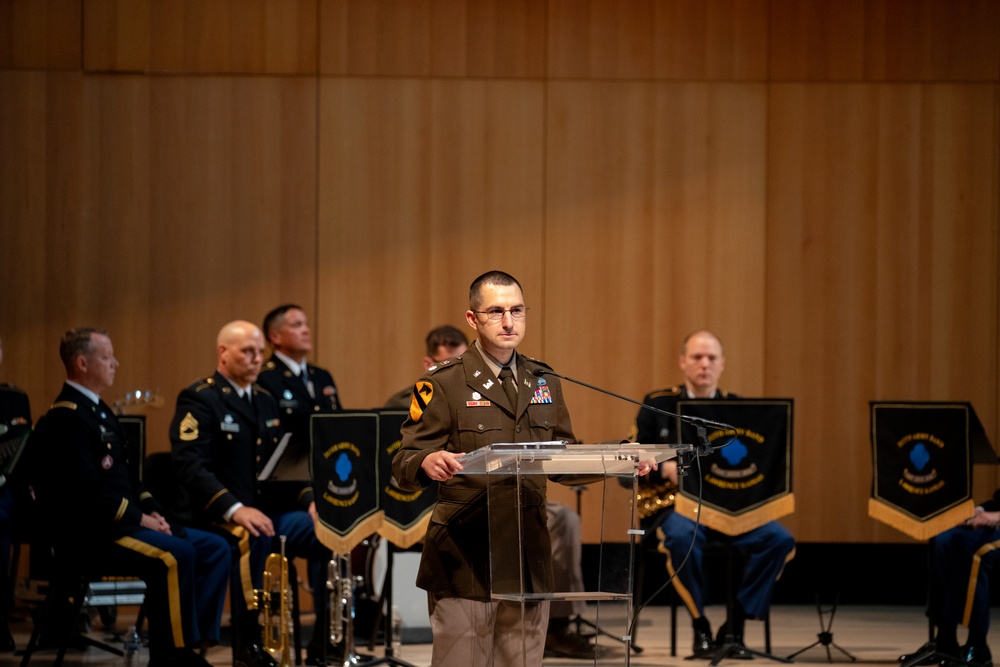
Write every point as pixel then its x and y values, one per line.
pixel 220 444
pixel 294 401
pixel 460 406
pixel 87 493
pixel 80 452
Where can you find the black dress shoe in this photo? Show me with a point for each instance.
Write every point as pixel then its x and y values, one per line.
pixel 334 654
pixel 560 642
pixel 932 652
pixel 973 656
pixel 703 646
pixel 253 655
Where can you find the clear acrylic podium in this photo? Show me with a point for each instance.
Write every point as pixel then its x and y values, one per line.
pixel 515 480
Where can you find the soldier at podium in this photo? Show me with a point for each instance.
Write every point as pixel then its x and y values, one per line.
pixel 961 561
pixel 447 342
pixel 488 395
pixel 766 548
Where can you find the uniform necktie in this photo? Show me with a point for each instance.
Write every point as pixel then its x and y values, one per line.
pixel 507 381
pixel 305 380
pixel 249 398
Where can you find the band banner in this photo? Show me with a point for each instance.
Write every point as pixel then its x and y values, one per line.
pixel 922 456
pixel 747 480
pixel 405 513
pixel 343 462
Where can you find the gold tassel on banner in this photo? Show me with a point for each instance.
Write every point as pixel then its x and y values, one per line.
pixel 729 524
pixel 915 528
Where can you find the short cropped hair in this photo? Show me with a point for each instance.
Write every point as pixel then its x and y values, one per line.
pixel 76 342
pixel 447 336
pixel 274 318
pixel 489 278
pixel 696 332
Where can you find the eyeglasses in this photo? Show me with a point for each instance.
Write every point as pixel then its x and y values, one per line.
pixel 496 314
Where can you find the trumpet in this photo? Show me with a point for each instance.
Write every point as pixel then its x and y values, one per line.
pixel 274 601
pixel 341 598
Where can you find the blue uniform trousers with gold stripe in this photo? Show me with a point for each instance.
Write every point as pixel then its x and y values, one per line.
pixel 185 577
pixel 766 549
pixel 300 542
pixel 961 561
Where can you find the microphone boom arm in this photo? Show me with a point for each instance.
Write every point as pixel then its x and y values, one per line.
pixel 703 448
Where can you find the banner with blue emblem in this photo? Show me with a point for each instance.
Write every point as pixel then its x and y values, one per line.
pixel 405 513
pixel 922 456
pixel 747 480
pixel 343 462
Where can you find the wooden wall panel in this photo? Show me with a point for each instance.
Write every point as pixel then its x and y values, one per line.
pixel 492 38
pixel 884 40
pixel 117 35
pixel 677 39
pixel 203 36
pixel 874 249
pixel 424 185
pixel 40 34
pixel 233 210
pixel 655 216
pixel 28 106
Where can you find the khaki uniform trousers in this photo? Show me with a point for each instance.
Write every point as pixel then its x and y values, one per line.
pixel 487 634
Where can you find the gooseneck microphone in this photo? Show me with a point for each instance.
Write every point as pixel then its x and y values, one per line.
pixel 694 421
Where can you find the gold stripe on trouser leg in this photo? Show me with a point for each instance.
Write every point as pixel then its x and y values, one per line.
pixel 970 592
pixel 242 536
pixel 173 586
pixel 685 594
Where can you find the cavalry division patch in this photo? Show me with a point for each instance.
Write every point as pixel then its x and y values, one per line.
pixel 421 398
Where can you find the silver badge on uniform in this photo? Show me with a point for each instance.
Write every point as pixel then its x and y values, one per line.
pixel 228 425
pixel 287 394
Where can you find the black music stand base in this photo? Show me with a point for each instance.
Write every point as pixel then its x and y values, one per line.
pixel 825 636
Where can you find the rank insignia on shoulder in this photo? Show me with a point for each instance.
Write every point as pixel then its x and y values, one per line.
pixel 189 428
pixel 423 392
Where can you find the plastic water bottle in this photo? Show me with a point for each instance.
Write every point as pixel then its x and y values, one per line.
pixel 397 631
pixel 131 647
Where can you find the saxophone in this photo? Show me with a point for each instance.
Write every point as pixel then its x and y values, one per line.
pixel 274 601
pixel 651 498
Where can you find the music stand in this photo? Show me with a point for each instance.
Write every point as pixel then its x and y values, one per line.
pixel 922 457
pixel 343 467
pixel 825 636
pixel 405 518
pixel 750 481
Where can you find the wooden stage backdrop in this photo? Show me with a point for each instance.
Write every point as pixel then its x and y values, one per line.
pixel 816 181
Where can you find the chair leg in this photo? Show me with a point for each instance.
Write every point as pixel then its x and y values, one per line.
pixel 296 622
pixel 767 633
pixel 673 622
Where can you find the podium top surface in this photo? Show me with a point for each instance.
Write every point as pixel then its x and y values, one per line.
pixel 560 458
